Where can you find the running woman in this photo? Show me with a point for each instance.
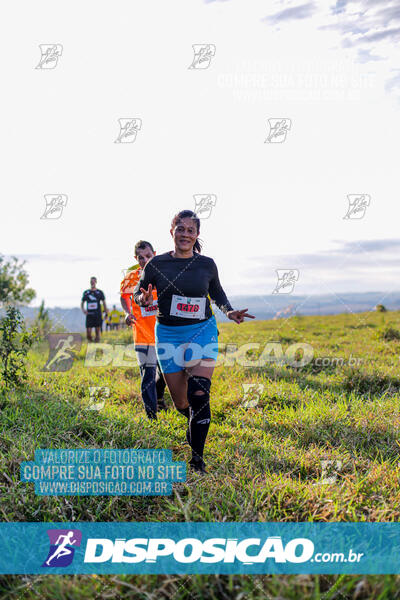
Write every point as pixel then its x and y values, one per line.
pixel 93 297
pixel 184 279
pixel 143 320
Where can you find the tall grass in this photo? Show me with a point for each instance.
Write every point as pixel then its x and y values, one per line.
pixel 265 463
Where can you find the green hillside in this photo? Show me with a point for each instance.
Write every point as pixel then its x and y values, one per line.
pixel 265 458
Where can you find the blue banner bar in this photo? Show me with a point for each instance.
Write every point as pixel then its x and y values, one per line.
pixel 178 548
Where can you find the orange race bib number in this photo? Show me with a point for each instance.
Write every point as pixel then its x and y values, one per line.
pixel 188 308
pixel 149 311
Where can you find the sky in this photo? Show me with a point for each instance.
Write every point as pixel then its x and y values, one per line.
pixel 328 72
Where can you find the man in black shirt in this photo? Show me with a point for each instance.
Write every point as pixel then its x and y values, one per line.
pixel 93 312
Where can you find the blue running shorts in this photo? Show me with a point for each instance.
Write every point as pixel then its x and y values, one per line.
pixel 176 345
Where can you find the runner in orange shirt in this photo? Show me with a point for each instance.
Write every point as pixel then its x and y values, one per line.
pixel 142 319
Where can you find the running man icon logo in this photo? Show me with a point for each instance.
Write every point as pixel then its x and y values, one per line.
pixel 286 280
pixel 54 205
pixel 62 544
pixel 357 205
pixel 278 129
pixel 128 129
pixel 50 54
pixel 97 396
pixel 127 288
pixel 62 349
pixel 330 469
pixel 203 54
pixel 203 204
pixel 251 394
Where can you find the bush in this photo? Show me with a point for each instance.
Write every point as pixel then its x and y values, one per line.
pixel 15 342
pixel 380 308
pixel 369 383
pixel 389 333
pixel 13 281
pixel 43 322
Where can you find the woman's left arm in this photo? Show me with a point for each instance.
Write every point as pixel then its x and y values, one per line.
pixel 218 295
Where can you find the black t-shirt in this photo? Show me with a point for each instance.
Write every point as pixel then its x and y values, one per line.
pixel 183 286
pixel 93 298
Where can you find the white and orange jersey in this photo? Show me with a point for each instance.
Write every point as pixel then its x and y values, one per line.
pixel 143 327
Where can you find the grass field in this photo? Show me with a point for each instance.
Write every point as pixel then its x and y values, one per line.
pixel 265 463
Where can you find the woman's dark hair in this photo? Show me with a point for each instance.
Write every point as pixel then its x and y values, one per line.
pixel 192 215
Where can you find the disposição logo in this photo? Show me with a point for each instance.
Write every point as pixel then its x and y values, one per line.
pixel 62 544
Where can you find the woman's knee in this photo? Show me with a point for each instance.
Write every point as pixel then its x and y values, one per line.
pixel 180 400
pixel 177 386
pixel 199 398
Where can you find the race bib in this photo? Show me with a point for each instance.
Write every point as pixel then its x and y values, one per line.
pixel 188 308
pixel 92 305
pixel 149 311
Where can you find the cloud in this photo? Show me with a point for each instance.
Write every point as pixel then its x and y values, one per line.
pixel 354 254
pixel 364 22
pixel 357 266
pixel 370 27
pixel 381 35
pixel 366 56
pixel 295 12
pixel 394 82
pixel 55 257
pixel 390 13
pixel 339 7
pixel 371 245
pixel 343 28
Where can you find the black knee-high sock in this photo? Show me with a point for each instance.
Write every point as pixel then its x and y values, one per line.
pixel 160 383
pixel 185 412
pixel 148 388
pixel 200 416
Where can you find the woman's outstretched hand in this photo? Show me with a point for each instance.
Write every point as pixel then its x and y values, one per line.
pixel 130 318
pixel 147 296
pixel 238 315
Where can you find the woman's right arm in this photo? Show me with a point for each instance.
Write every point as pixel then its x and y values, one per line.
pixel 146 279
